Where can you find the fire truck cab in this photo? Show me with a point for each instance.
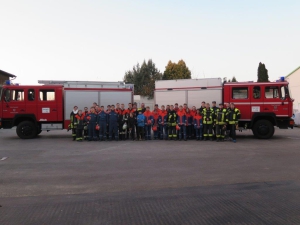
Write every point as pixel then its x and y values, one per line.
pixel 34 108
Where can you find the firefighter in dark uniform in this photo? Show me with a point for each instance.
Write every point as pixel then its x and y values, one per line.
pixel 232 119
pixel 85 130
pixel 220 121
pixel 73 121
pixel 214 107
pixel 91 119
pixel 80 125
pixel 113 123
pixel 208 120
pixel 102 121
pixel 171 119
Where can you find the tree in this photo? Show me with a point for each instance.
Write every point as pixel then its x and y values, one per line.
pixel 143 77
pixel 262 73
pixel 175 71
pixel 233 79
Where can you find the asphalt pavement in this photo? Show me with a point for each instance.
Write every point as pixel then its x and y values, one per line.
pixel 54 180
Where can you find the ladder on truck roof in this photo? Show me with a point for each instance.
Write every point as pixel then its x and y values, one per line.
pixel 88 84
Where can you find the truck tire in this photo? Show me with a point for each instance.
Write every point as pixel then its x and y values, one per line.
pixel 263 129
pixel 26 130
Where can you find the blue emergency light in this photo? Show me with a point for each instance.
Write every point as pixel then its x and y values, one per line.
pixel 282 79
pixel 7 82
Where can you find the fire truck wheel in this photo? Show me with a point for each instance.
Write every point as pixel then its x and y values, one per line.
pixel 263 129
pixel 26 130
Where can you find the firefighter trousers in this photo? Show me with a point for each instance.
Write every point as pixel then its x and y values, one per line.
pixel 113 129
pixel 207 130
pixel 102 133
pixel 232 131
pixel 172 132
pixel 148 132
pixel 182 131
pixel 79 134
pixel 163 132
pixel 198 131
pixel 220 131
pixel 92 131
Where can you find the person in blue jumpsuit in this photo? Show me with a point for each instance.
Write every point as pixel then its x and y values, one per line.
pixel 91 119
pixel 102 121
pixel 113 123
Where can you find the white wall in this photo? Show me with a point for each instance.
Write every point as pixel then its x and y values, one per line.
pixel 294 80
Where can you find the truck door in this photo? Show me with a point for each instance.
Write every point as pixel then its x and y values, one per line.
pixel 240 97
pixel 31 101
pixel 47 106
pixel 13 102
pixel 272 101
pixel 257 99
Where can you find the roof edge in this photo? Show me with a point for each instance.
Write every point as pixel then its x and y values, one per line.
pixel 7 74
pixel 292 72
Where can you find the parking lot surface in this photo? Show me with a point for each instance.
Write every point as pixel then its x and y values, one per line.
pixel 54 180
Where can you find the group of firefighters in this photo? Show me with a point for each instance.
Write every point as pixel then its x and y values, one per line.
pixel 172 122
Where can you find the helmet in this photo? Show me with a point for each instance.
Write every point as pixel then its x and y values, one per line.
pixel 154 128
pixel 125 126
pixel 177 127
pixel 149 122
pixel 97 127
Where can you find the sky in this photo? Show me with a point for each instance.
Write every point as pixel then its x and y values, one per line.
pixel 101 40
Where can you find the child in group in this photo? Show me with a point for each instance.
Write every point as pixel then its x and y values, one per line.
pixel 198 124
pixel 141 120
pixel 80 125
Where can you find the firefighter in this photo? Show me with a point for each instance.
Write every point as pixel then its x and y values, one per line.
pixel 131 126
pixel 168 108
pixel 181 121
pixel 220 121
pixel 108 110
pixel 85 130
pixel 123 123
pixel 102 122
pixel 113 123
pixel 171 119
pixel 193 113
pixel 91 119
pixel 215 108
pixel 155 125
pixel 80 125
pixel 73 121
pixel 149 121
pixel 97 111
pixel 227 134
pixel 189 122
pixel 162 121
pixel 202 107
pixel 208 119
pixel 232 119
pixel 198 124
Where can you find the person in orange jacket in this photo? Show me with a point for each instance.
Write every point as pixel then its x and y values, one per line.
pixel 149 121
pixel 198 124
pixel 155 125
pixel 189 122
pixel 162 120
pixel 181 121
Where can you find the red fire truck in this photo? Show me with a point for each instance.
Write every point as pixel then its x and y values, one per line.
pixel 262 105
pixel 34 108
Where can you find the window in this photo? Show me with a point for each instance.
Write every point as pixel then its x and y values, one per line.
pixel 272 92
pixel 256 92
pixel 31 95
pixel 14 95
pixel 240 93
pixel 47 95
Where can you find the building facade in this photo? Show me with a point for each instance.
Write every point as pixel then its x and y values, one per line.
pixel 294 79
pixel 5 76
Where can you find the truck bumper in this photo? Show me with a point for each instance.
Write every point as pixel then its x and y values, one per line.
pixel 285 123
